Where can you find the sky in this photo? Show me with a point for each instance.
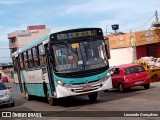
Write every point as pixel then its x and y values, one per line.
pixel 131 15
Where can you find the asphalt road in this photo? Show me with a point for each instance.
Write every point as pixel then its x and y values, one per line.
pixel 136 99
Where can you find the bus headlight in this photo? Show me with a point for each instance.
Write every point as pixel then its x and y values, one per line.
pixel 59 82
pixel 108 74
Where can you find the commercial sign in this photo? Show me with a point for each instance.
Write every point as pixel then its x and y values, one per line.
pixel 146 37
pixel 123 40
pixel 134 39
pixel 24 33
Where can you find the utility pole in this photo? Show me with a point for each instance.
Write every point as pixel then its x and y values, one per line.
pixel 156 24
pixel 106 29
pixel 156 16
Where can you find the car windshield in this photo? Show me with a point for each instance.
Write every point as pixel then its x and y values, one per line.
pixel 134 70
pixel 80 56
pixel 2 86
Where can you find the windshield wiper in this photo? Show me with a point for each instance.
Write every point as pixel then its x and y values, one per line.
pixel 73 50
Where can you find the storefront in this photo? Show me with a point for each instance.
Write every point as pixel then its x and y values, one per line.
pixel 130 47
pixel 148 44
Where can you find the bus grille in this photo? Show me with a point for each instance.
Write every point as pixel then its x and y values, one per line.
pixel 93 86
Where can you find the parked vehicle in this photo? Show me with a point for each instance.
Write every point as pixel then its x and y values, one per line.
pixel 130 75
pixel 152 66
pixel 5 95
pixel 4 79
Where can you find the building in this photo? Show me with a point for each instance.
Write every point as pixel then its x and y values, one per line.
pixel 126 48
pixel 20 38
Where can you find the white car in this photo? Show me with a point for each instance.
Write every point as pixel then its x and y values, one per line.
pixel 5 95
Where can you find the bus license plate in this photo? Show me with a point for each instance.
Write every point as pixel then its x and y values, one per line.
pixel 86 88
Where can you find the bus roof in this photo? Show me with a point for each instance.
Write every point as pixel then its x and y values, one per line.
pixel 75 33
pixel 49 36
pixel 36 42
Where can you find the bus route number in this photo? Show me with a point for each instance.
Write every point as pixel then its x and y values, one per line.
pixel 67 66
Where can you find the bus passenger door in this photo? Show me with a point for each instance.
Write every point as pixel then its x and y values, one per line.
pixel 18 70
pixel 50 69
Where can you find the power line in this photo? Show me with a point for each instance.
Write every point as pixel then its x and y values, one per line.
pixel 142 26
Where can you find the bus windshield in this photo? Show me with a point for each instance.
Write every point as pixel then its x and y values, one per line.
pixel 72 57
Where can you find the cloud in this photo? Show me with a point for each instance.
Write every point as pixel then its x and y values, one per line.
pixel 8 2
pixel 8 29
pixel 110 8
pixel 104 6
pixel 4 42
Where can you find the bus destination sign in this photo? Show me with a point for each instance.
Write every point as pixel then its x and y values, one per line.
pixel 71 35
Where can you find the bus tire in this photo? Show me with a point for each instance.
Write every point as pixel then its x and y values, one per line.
pixel 93 96
pixel 51 101
pixel 27 96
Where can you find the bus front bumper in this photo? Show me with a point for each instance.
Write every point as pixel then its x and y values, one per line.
pixel 73 90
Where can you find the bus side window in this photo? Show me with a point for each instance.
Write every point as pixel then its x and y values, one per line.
pixel 15 64
pixel 21 60
pixel 35 57
pixel 42 56
pixel 25 60
pixel 30 59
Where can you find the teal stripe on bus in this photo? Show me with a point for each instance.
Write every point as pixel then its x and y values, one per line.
pixel 82 80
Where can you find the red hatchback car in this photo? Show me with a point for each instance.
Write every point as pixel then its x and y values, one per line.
pixel 129 75
pixel 4 79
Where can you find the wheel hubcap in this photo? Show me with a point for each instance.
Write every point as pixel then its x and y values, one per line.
pixel 121 88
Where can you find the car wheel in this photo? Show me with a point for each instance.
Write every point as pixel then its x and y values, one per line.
pixel 146 86
pixel 12 104
pixel 121 88
pixel 93 97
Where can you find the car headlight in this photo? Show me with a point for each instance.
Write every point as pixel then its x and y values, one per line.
pixel 7 94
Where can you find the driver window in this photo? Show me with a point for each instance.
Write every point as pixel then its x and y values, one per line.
pixel 116 72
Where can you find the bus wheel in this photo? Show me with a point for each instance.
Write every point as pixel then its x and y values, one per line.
pixel 93 97
pixel 27 96
pixel 51 101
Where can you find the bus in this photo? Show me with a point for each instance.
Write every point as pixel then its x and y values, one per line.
pixel 67 63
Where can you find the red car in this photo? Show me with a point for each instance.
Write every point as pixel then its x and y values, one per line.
pixel 129 75
pixel 4 79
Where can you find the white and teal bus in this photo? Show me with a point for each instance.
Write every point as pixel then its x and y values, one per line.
pixel 67 63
